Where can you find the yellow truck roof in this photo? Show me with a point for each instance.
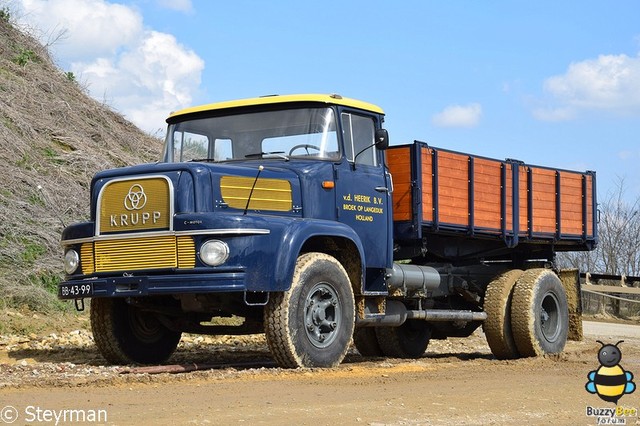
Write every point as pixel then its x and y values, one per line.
pixel 277 99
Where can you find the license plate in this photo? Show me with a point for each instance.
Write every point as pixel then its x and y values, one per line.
pixel 72 291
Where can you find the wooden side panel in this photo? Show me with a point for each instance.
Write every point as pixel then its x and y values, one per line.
pixel 509 200
pixel 543 200
pixel 427 184
pixel 571 203
pixel 453 188
pixel 487 193
pixel 399 162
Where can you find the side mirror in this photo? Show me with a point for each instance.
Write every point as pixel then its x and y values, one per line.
pixel 382 139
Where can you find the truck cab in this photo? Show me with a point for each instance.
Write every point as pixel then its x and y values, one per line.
pixel 322 150
pixel 217 227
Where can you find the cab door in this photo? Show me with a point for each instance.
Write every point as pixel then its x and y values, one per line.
pixel 363 195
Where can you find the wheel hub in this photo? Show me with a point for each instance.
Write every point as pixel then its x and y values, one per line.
pixel 322 315
pixel 144 326
pixel 550 317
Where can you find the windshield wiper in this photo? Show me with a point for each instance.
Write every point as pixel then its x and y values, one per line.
pixel 279 154
pixel 201 160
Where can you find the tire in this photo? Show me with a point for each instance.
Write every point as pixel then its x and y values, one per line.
pixel 539 313
pixel 497 305
pixel 311 324
pixel 366 342
pixel 410 340
pixel 125 334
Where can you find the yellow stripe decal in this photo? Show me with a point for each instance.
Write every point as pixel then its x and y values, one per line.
pixel 268 194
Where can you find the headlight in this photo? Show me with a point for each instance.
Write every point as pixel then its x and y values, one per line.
pixel 214 252
pixel 71 261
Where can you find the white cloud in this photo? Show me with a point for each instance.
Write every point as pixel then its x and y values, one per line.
pixel 627 155
pixel 142 73
pixel 458 116
pixel 179 5
pixel 91 27
pixel 610 82
pixel 145 83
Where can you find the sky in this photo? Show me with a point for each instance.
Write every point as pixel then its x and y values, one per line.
pixel 551 83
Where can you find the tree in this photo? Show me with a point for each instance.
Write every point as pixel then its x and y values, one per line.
pixel 618 251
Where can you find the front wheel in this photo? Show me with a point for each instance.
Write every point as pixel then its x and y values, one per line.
pixel 125 334
pixel 311 324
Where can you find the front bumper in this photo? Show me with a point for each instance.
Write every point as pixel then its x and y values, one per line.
pixel 150 285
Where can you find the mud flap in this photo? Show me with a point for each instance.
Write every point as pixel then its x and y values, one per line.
pixel 570 279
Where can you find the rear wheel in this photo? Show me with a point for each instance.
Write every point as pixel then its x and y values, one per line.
pixel 539 313
pixel 125 334
pixel 366 342
pixel 410 340
pixel 497 305
pixel 311 324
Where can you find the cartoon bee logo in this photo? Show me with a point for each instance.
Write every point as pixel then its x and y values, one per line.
pixel 610 381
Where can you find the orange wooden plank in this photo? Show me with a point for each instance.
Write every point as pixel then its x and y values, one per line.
pixel 453 188
pixel 543 200
pixel 571 203
pixel 399 163
pixel 546 227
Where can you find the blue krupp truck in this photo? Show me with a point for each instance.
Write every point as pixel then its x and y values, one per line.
pixel 295 215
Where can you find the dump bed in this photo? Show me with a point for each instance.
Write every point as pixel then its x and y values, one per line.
pixel 469 206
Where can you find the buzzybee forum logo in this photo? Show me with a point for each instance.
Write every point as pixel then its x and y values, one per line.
pixel 610 381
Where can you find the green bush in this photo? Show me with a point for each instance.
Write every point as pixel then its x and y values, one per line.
pixel 5 15
pixel 32 251
pixel 24 56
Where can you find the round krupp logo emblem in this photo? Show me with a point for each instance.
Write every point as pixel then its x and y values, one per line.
pixel 136 198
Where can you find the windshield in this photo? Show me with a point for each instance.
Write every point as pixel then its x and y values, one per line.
pixel 291 133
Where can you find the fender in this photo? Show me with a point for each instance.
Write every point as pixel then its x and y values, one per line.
pixel 296 234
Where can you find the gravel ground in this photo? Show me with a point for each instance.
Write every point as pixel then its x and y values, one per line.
pixel 71 358
pixel 231 380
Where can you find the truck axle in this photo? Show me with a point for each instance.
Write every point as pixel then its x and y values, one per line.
pixel 397 313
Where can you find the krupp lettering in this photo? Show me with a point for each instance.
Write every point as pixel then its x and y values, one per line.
pixel 133 219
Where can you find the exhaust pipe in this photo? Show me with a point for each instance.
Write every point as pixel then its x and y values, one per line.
pixel 447 315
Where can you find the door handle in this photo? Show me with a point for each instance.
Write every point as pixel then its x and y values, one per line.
pixel 382 189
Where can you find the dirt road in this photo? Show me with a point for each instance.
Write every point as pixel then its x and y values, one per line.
pixel 457 382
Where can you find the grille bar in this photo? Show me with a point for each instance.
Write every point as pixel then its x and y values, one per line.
pixel 86 256
pixel 157 252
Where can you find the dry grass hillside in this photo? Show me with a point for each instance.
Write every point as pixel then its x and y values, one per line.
pixel 53 138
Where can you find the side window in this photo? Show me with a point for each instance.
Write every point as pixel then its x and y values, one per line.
pixel 223 149
pixel 190 146
pixel 358 132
